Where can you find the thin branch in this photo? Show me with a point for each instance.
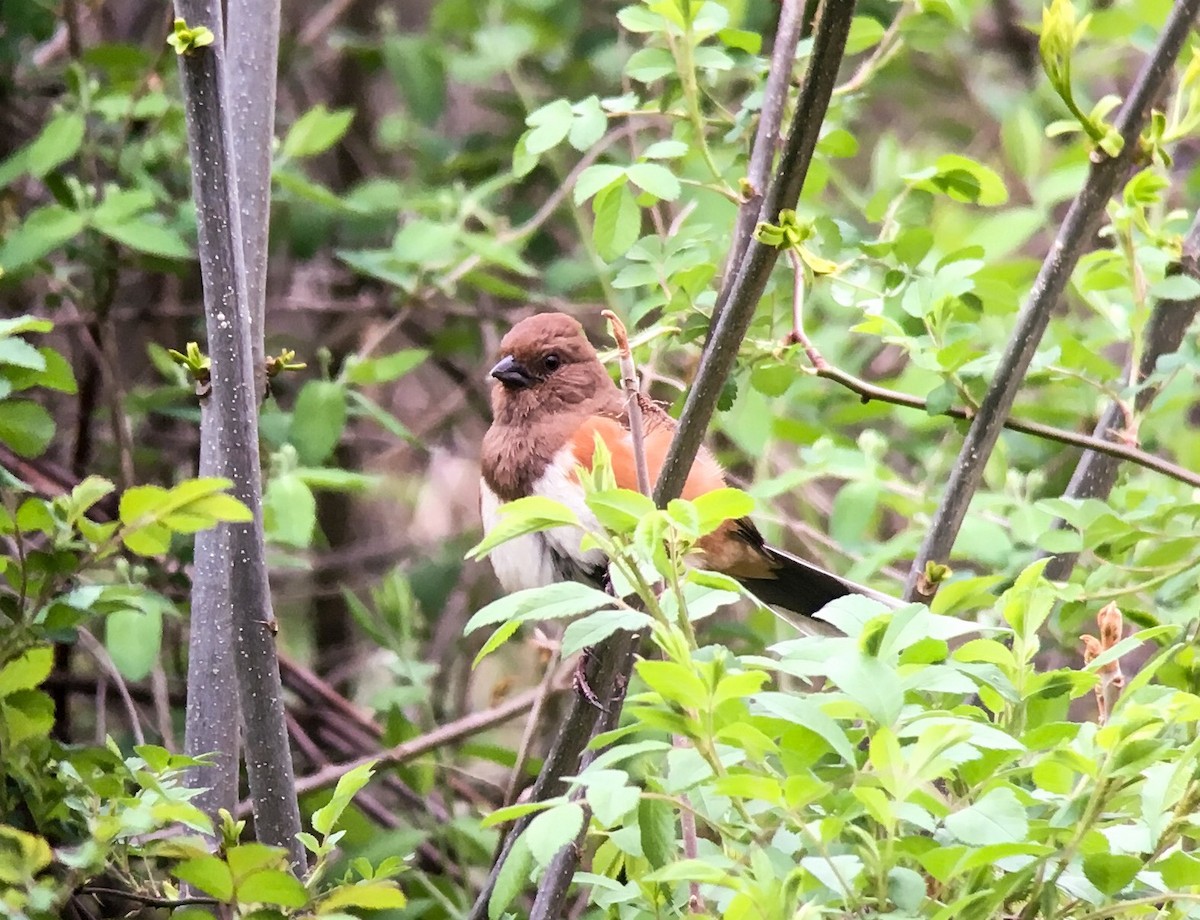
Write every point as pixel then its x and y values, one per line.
pixel 611 663
pixel 1095 443
pixel 1074 237
pixel 1096 473
pixel 97 650
pixel 629 383
pixel 147 899
pixel 235 407
pixel 766 139
pixel 441 736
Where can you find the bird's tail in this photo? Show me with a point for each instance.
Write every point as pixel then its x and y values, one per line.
pixel 804 588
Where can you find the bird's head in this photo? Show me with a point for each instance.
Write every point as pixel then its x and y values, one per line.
pixel 547 365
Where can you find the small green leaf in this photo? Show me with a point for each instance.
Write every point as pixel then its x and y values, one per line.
pixel 27 671
pixel 596 627
pixel 25 426
pixel 324 819
pixel 525 515
pixel 550 125
pixel 43 231
pixel 318 419
pixel 552 830
pixel 273 886
pixel 511 878
pixel 595 178
pixel 721 505
pixel 289 511
pixel 316 131
pixel 655 179
pixel 209 874
pixel 998 817
pixel 378 894
pixel 554 601
pixel 384 369
pixel 618 221
pixel 133 639
pixel 656 828
pixel 1111 872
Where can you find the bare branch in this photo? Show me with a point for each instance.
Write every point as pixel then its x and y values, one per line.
pixel 1074 237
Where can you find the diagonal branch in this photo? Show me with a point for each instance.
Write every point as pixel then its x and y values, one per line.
pixel 1074 237
pixel 612 661
pixel 1096 473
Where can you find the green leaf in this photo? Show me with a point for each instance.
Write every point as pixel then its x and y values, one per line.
pixel 649 64
pixel 317 421
pixel 721 505
pixel 596 627
pixel 26 671
pixel 384 369
pixel 43 231
pixel 289 511
pixel 618 222
pixel 209 874
pixel 550 125
pixel 865 32
pixel 316 131
pixel 324 819
pixel 511 879
pixel 595 178
pixel 133 639
pixel 552 830
pixel 1111 872
pixel 273 886
pixel 379 894
pixel 25 426
pixel 555 601
pixel 1176 287
pixel 807 713
pixel 146 236
pixel 588 125
pixel 525 515
pixel 998 817
pixel 619 510
pixel 58 142
pixel 656 828
pixel 19 353
pixel 655 179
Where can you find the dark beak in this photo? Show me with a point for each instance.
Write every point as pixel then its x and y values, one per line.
pixel 512 374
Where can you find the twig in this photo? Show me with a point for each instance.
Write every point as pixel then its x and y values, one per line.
pixel 1075 235
pixel 1096 473
pixel 766 139
pixel 147 899
pixel 629 383
pixel 235 407
pixel 513 789
pixel 612 661
pixel 97 650
pixel 1091 442
pixel 441 736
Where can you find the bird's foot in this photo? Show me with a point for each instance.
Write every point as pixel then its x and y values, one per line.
pixel 580 681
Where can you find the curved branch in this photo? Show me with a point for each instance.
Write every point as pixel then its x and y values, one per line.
pixel 1077 231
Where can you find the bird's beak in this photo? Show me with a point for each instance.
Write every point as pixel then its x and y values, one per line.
pixel 510 373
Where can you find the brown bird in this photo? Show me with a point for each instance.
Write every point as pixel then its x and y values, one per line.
pixel 551 398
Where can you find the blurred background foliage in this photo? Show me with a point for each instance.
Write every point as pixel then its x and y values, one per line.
pixel 443 168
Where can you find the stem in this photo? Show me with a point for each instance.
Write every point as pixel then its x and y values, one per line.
pixel 1075 235
pixel 234 406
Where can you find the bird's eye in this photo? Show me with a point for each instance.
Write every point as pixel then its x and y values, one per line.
pixel 552 362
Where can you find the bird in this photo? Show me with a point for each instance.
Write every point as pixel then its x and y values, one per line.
pixel 551 398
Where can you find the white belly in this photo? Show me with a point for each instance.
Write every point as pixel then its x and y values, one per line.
pixel 537 559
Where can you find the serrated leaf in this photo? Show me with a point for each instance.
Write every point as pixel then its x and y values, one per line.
pixel 209 874
pixel 998 817
pixel 618 222
pixel 594 178
pixel 378 894
pixel 655 179
pixel 273 886
pixel 510 879
pixel 554 601
pixel 25 426
pixel 525 515
pixel 596 627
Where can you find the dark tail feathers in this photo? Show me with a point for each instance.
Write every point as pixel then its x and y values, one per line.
pixel 802 587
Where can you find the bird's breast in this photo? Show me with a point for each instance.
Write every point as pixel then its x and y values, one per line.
pixel 537 559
